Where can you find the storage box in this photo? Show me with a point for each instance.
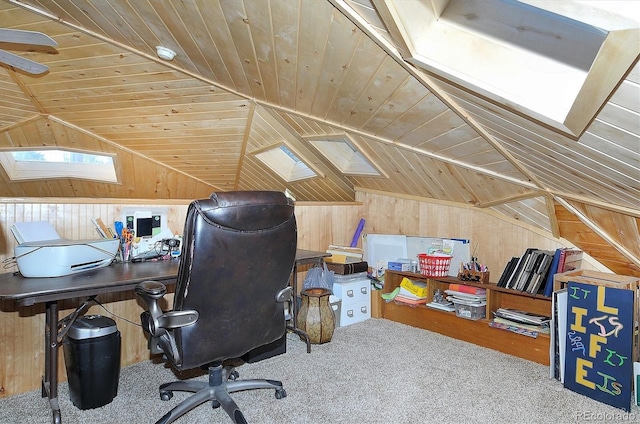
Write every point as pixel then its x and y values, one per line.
pixel 596 278
pixel 355 295
pixel 470 311
pixel 399 266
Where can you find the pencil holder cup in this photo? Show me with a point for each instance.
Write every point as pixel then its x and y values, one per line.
pixel 478 276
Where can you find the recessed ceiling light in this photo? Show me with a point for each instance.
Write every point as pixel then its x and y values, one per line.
pixel 165 53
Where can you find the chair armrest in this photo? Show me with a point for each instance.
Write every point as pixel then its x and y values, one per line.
pixel 284 295
pixel 154 320
pixel 177 319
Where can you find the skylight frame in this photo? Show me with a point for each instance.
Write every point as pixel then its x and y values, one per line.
pixel 25 170
pixel 287 163
pixel 346 156
pixel 427 40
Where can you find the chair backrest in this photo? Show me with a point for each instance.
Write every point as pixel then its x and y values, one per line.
pixel 238 253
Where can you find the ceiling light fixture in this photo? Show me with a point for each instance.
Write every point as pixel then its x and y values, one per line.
pixel 165 53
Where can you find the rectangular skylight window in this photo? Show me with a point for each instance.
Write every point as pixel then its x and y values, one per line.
pixel 554 61
pixel 345 156
pixel 57 163
pixel 285 163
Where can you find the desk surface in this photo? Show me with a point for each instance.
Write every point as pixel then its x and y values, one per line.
pixel 117 277
pixel 113 278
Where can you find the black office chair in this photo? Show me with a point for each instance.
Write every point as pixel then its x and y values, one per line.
pixel 238 252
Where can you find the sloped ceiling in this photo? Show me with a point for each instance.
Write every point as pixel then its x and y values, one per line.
pixel 251 74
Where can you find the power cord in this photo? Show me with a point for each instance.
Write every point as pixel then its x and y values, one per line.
pixel 116 316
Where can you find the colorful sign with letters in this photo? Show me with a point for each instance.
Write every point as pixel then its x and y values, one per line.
pixel 599 357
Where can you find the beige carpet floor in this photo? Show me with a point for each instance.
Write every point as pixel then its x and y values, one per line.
pixel 375 371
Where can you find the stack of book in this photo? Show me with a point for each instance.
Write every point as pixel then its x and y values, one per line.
pixel 344 254
pixel 466 295
pixel 533 271
pixel 470 302
pixel 521 322
pixel 460 291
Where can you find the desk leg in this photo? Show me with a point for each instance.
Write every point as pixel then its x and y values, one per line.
pixel 294 311
pixel 50 379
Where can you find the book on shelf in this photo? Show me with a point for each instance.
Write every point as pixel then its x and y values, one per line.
pixel 467 289
pixel 467 297
pixel 530 263
pixel 522 316
pixel 512 282
pixel 570 259
pixel 508 270
pixel 553 269
pixel 529 272
pixel 539 328
pixel 540 272
pixel 344 254
pixel 443 306
pixel 514 329
pixel 347 268
pixel 559 264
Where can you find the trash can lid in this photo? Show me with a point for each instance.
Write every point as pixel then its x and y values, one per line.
pixel 91 326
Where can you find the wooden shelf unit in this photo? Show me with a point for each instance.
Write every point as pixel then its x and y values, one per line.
pixel 477 332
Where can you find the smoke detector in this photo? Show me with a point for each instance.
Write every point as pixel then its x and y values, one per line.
pixel 165 53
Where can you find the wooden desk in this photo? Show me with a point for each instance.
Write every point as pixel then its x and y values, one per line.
pixel 119 277
pixel 114 278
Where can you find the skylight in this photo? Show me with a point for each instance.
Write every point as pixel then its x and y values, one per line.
pixel 27 164
pixel 284 162
pixel 344 155
pixel 554 61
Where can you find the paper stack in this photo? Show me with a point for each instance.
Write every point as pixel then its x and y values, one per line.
pixel 521 322
pixel 411 292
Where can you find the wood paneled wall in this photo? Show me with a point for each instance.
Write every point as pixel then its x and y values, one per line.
pixel 319 224
pixel 494 238
pixel 22 329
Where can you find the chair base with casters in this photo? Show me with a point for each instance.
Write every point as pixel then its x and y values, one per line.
pixel 222 381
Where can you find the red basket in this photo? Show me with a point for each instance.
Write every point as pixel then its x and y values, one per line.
pixel 434 266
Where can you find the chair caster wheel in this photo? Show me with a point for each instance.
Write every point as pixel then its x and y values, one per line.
pixel 234 375
pixel 166 395
pixel 281 393
pixel 215 404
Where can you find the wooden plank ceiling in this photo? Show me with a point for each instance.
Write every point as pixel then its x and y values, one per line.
pixel 252 74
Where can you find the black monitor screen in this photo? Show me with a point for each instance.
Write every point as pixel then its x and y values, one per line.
pixel 144 227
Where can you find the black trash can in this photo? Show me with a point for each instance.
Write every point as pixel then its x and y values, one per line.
pixel 92 359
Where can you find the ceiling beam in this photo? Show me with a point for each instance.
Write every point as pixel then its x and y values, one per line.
pixel 596 229
pixel 428 82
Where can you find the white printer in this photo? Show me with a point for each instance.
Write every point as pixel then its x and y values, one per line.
pixel 55 257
